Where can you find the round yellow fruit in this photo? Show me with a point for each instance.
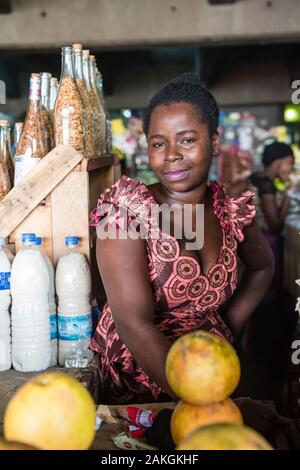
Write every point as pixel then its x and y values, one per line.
pixel 202 368
pixel 224 437
pixel 7 445
pixel 186 417
pixel 52 411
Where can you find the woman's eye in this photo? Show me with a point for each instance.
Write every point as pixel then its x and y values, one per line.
pixel 158 145
pixel 188 141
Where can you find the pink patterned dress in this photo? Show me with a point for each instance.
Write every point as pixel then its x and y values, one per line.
pixel 185 299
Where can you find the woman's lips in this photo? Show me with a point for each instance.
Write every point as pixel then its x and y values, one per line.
pixel 176 175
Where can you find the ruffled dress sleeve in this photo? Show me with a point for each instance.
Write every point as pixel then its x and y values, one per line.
pixel 234 213
pixel 127 200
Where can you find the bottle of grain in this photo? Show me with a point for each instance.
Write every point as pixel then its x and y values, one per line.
pixel 5 183
pixel 45 106
pixel 93 100
pixel 78 71
pixel 5 148
pixel 100 105
pixel 69 120
pixel 32 145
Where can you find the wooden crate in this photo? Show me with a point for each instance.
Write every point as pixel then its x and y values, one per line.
pixel 54 200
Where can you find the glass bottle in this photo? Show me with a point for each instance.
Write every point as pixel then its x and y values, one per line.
pixel 93 101
pixel 5 148
pixel 5 183
pixel 17 134
pixel 69 121
pixel 99 84
pixel 78 72
pixel 53 93
pixel 32 144
pixel 100 105
pixel 45 106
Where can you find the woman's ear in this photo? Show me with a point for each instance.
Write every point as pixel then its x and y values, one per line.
pixel 215 144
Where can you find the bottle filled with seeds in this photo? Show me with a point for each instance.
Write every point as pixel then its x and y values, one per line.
pixel 100 105
pixel 17 134
pixel 69 118
pixel 5 146
pixel 93 101
pixel 5 182
pixel 32 145
pixel 45 106
pixel 99 84
pixel 89 113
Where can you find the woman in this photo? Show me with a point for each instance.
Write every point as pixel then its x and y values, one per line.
pixel 157 290
pixel 272 204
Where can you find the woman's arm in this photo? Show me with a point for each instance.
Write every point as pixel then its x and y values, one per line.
pixel 275 216
pixel 258 259
pixel 124 272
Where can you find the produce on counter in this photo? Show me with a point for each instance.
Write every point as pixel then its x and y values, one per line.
pixel 186 417
pixel 224 437
pixel 202 368
pixel 10 445
pixel 52 411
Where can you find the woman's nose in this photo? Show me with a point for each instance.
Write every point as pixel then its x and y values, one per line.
pixel 172 154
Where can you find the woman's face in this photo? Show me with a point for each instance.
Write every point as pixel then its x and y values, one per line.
pixel 180 146
pixel 285 167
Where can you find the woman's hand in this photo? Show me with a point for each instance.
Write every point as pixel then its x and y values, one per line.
pixel 124 272
pixel 258 259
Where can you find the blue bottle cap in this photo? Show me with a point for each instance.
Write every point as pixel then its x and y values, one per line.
pixel 38 241
pixel 28 237
pixel 71 241
pixel 2 241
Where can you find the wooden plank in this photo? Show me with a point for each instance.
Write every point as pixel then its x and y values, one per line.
pixel 92 164
pixel 70 213
pixel 35 186
pixel 38 222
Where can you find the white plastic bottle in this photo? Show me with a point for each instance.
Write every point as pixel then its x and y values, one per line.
pixel 73 288
pixel 5 301
pixel 31 345
pixel 52 304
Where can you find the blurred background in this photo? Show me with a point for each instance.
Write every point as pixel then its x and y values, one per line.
pixel 246 51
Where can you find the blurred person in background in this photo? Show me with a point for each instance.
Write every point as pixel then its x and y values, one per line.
pixel 266 340
pixel 272 201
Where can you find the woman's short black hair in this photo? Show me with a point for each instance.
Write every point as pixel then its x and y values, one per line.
pixel 186 88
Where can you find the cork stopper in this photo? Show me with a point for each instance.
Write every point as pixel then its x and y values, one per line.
pixel 35 75
pixel 4 123
pixel 19 124
pixel 86 52
pixel 77 47
pixel 92 58
pixel 53 80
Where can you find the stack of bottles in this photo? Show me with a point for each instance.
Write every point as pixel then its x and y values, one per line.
pixel 34 333
pixel 71 112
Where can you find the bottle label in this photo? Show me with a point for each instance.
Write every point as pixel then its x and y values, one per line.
pixel 53 326
pixel 23 165
pixel 75 328
pixel 35 91
pixel 4 281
